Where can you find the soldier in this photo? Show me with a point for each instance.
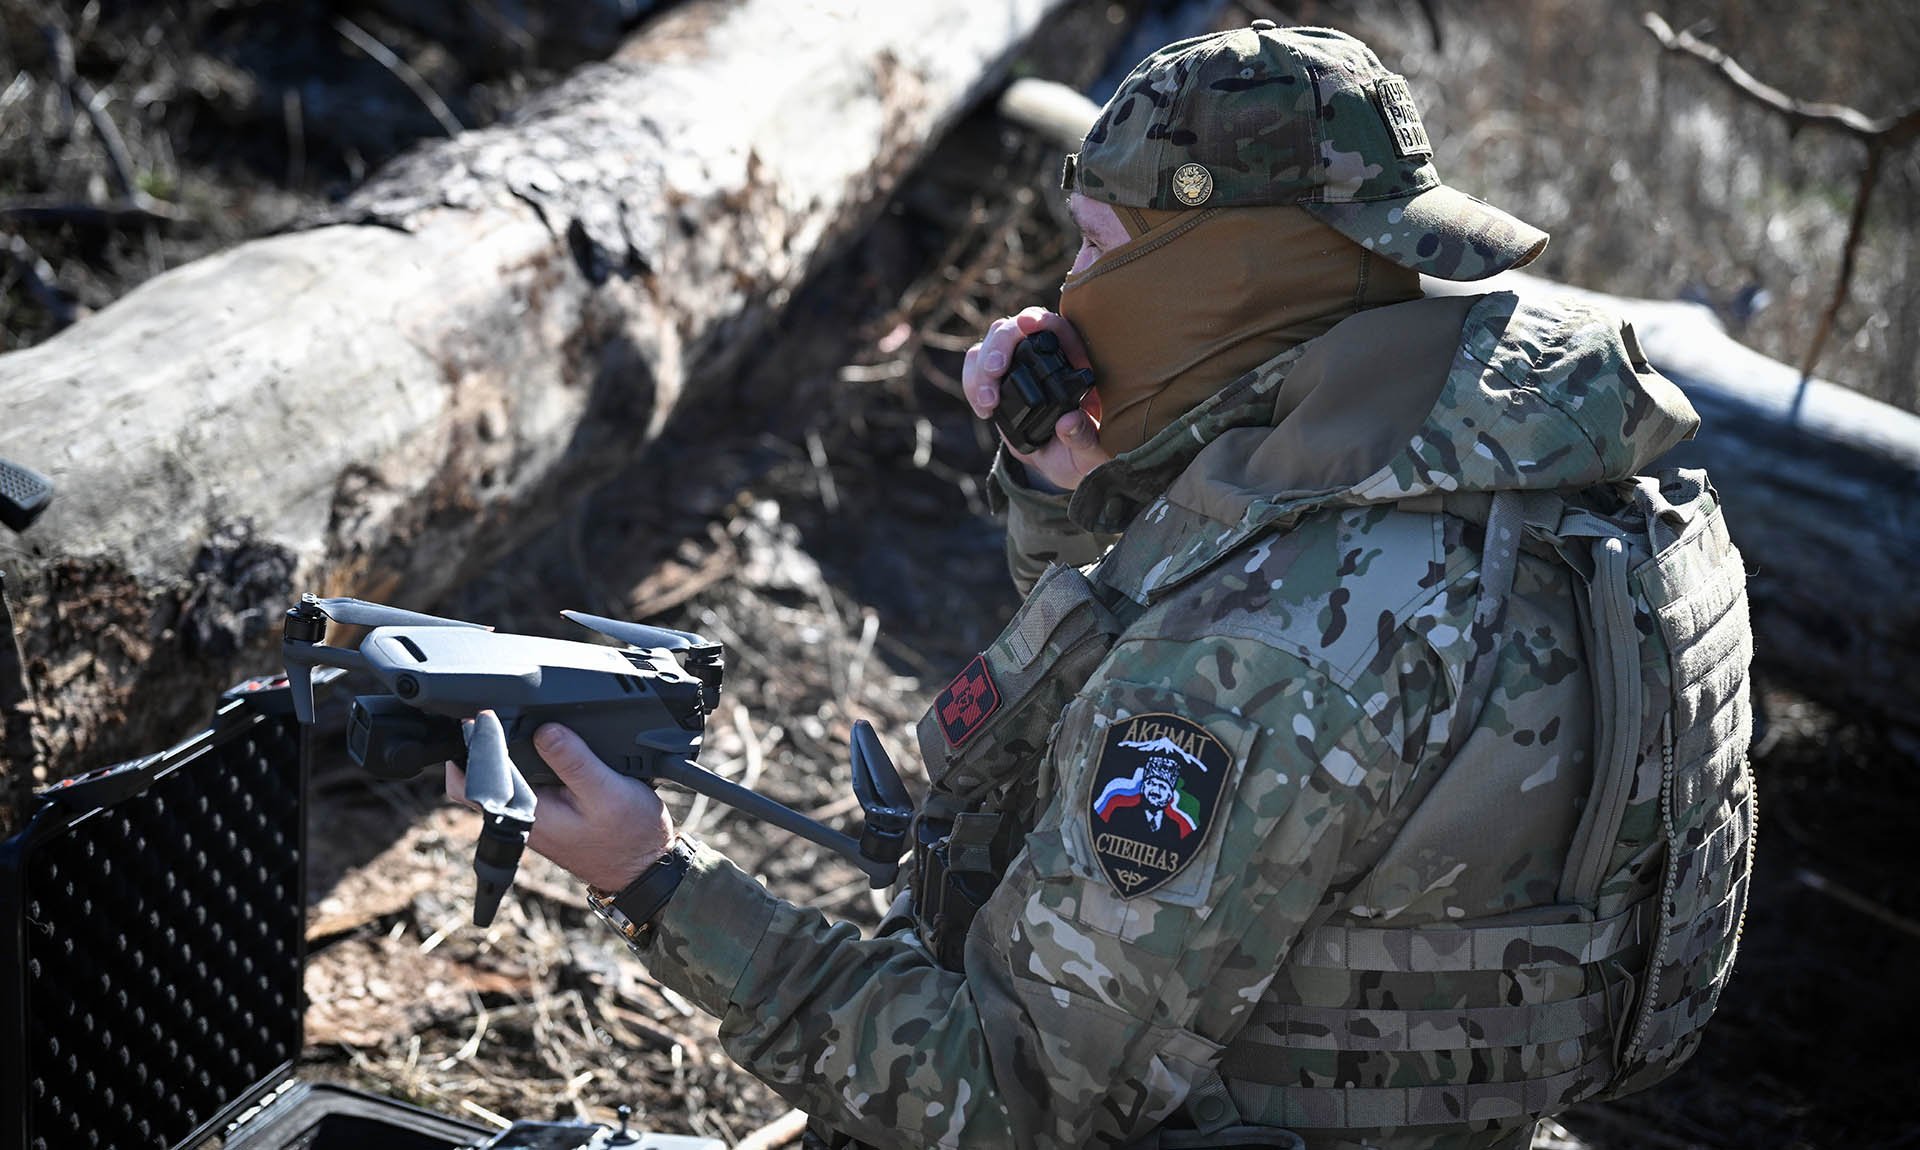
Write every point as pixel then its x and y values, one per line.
pixel 1356 796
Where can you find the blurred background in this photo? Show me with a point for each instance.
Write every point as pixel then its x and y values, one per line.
pixel 237 117
pixel 820 509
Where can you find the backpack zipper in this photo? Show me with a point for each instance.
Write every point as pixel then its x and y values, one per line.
pixel 1616 641
pixel 1668 877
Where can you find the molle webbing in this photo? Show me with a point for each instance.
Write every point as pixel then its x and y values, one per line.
pixel 1441 949
pixel 1688 586
pixel 978 811
pixel 1260 1060
pixel 1295 1027
pixel 1362 1107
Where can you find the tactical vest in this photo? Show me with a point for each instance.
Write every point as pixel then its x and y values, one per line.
pixel 1601 994
pixel 984 742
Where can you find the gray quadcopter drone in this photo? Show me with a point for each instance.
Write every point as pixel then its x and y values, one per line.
pixel 642 707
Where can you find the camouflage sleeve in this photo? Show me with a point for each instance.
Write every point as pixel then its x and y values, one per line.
pixel 1039 534
pixel 1084 1015
pixel 870 1035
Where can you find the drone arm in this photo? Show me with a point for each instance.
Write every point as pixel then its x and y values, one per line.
pixel 685 773
pixel 302 658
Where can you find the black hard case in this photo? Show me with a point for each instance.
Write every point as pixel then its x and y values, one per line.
pixel 153 936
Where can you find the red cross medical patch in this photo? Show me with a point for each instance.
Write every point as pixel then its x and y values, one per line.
pixel 964 706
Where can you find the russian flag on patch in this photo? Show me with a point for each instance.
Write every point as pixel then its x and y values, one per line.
pixel 1120 794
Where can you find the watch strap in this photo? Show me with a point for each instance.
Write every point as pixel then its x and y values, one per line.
pixel 631 912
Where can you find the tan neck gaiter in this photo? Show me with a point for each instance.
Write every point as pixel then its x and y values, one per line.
pixel 1194 299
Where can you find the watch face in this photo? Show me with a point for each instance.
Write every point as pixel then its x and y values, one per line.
pixel 615 919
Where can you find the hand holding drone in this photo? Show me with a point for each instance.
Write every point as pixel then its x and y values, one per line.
pixel 642 707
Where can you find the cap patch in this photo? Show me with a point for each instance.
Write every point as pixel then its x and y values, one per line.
pixel 1395 100
pixel 1192 184
pixel 1155 791
pixel 964 706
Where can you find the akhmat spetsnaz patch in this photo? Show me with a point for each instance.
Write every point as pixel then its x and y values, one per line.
pixel 1155 792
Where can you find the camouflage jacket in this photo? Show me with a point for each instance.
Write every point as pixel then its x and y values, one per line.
pixel 1223 795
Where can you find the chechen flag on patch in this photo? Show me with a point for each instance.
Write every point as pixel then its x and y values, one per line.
pixel 964 706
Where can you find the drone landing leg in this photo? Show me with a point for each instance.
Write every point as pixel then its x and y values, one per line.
pixel 507 805
pixel 503 839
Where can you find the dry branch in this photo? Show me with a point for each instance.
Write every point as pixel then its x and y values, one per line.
pixel 490 326
pixel 134 203
pixel 16 708
pixel 1877 134
pixel 782 1131
pixel 401 71
pixel 36 276
pixel 120 213
pixel 1872 908
pixel 1889 131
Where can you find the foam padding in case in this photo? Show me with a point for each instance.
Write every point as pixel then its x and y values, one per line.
pixel 154 945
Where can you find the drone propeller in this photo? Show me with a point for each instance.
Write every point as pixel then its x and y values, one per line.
pixel 637 634
pixel 304 639
pixel 496 786
pixel 876 782
pixel 883 800
pixel 360 613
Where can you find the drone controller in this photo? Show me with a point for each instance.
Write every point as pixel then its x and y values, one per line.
pixel 642 707
pixel 1039 388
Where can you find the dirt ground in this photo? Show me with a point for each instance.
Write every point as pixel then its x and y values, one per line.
pixel 823 515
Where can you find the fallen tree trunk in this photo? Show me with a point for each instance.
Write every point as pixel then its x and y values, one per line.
pixel 493 323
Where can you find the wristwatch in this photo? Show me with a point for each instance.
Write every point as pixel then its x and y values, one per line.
pixel 631 911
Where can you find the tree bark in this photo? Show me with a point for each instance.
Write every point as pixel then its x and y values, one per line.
pixel 493 323
pixel 1824 505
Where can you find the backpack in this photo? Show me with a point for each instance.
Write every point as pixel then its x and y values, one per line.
pixel 1663 851
pixel 1671 813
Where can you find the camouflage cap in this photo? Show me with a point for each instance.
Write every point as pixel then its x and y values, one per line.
pixel 1303 116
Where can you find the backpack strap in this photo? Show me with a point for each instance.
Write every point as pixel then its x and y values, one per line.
pixel 1506 515
pixel 1619 705
pixel 1499 557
